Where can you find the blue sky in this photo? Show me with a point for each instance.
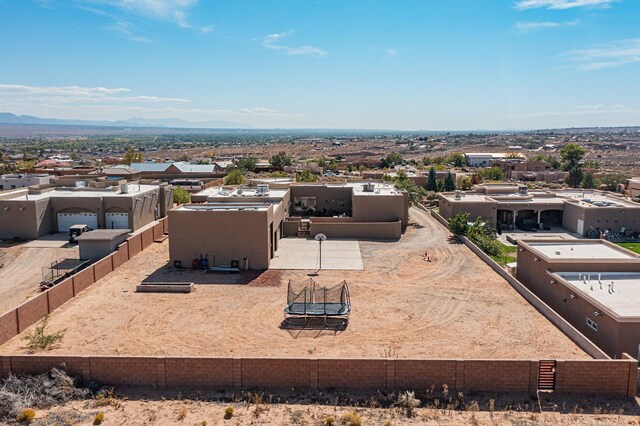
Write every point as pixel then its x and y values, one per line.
pixel 394 64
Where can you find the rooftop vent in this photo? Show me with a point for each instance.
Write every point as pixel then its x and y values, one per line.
pixel 368 187
pixel 458 194
pixel 124 188
pixel 523 190
pixel 262 189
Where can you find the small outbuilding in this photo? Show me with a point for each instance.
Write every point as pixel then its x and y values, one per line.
pixel 99 243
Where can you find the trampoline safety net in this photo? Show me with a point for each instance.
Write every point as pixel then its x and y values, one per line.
pixel 308 299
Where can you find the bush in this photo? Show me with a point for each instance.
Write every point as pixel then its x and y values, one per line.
pixel 99 418
pixel 26 416
pixel 459 224
pixel 39 340
pixel 488 245
pixel 228 412
pixel 235 177
pixel 329 421
pixel 181 196
pixel 351 419
pixel 408 402
pixel 44 390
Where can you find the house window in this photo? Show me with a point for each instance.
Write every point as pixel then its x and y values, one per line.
pixel 592 324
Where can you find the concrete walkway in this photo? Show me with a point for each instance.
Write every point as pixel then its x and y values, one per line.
pixel 298 253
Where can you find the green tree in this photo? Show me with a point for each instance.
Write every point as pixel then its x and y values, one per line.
pixel 464 183
pixel 491 174
pixel 235 177
pixel 571 155
pixel 415 193
pixel 457 159
pixel 459 224
pixel 449 183
pixel 589 182
pixel 575 176
pixel 432 183
pixel 280 160
pixel 247 164
pixel 132 156
pixel 394 158
pixel 181 196
pixel 306 176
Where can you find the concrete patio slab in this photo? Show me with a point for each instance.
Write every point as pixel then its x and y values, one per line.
pixel 304 254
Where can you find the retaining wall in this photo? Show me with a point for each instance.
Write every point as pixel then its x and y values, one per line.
pixel 601 377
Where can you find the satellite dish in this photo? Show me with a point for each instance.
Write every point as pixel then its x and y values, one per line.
pixel 320 237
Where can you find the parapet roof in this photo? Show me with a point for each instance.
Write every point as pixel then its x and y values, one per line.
pixel 62 192
pixel 617 293
pixel 249 206
pixel 580 250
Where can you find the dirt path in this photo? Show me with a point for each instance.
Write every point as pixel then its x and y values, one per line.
pixel 453 307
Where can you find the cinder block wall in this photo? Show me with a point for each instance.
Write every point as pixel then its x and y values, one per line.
pixel 610 377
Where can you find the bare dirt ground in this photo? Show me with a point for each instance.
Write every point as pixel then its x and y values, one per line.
pixel 453 307
pixel 21 272
pixel 144 408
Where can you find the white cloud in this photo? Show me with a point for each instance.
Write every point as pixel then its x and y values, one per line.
pixel 561 4
pixel 600 107
pixel 391 52
pixel 273 42
pixel 127 29
pixel 601 56
pixel 523 27
pixel 102 103
pixel 162 10
pixel 206 29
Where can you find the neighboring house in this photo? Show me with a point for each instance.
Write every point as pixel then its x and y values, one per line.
pixel 101 204
pixel 593 284
pixel 586 212
pixel 167 171
pixel 484 159
pixel 14 181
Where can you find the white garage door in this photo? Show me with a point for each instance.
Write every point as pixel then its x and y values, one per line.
pixel 117 221
pixel 67 220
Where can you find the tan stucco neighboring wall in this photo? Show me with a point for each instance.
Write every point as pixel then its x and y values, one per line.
pixel 358 230
pixel 384 208
pixel 230 235
pixel 536 273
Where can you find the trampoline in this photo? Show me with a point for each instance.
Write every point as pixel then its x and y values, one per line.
pixel 307 300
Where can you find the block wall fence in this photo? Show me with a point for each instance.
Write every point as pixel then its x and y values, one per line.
pixel 17 320
pixel 600 377
pixel 610 377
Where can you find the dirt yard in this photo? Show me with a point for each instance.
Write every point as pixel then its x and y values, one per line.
pixel 153 408
pixel 21 270
pixel 453 307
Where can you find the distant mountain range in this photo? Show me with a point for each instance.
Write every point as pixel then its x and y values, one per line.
pixel 8 118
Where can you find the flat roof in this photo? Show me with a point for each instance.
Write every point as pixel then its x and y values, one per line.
pixel 596 199
pixel 378 188
pixel 579 250
pixel 245 192
pixel 617 292
pixel 225 207
pixel 133 190
pixel 102 234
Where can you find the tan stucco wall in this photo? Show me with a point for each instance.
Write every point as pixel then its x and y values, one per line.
pixel 358 230
pixel 612 336
pixel 231 235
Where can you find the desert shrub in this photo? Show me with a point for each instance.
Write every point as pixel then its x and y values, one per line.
pixel 488 245
pixel 329 421
pixel 351 419
pixel 40 340
pixel 44 390
pixel 26 415
pixel 408 402
pixel 228 412
pixel 99 418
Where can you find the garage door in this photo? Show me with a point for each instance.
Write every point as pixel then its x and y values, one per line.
pixel 117 221
pixel 67 220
